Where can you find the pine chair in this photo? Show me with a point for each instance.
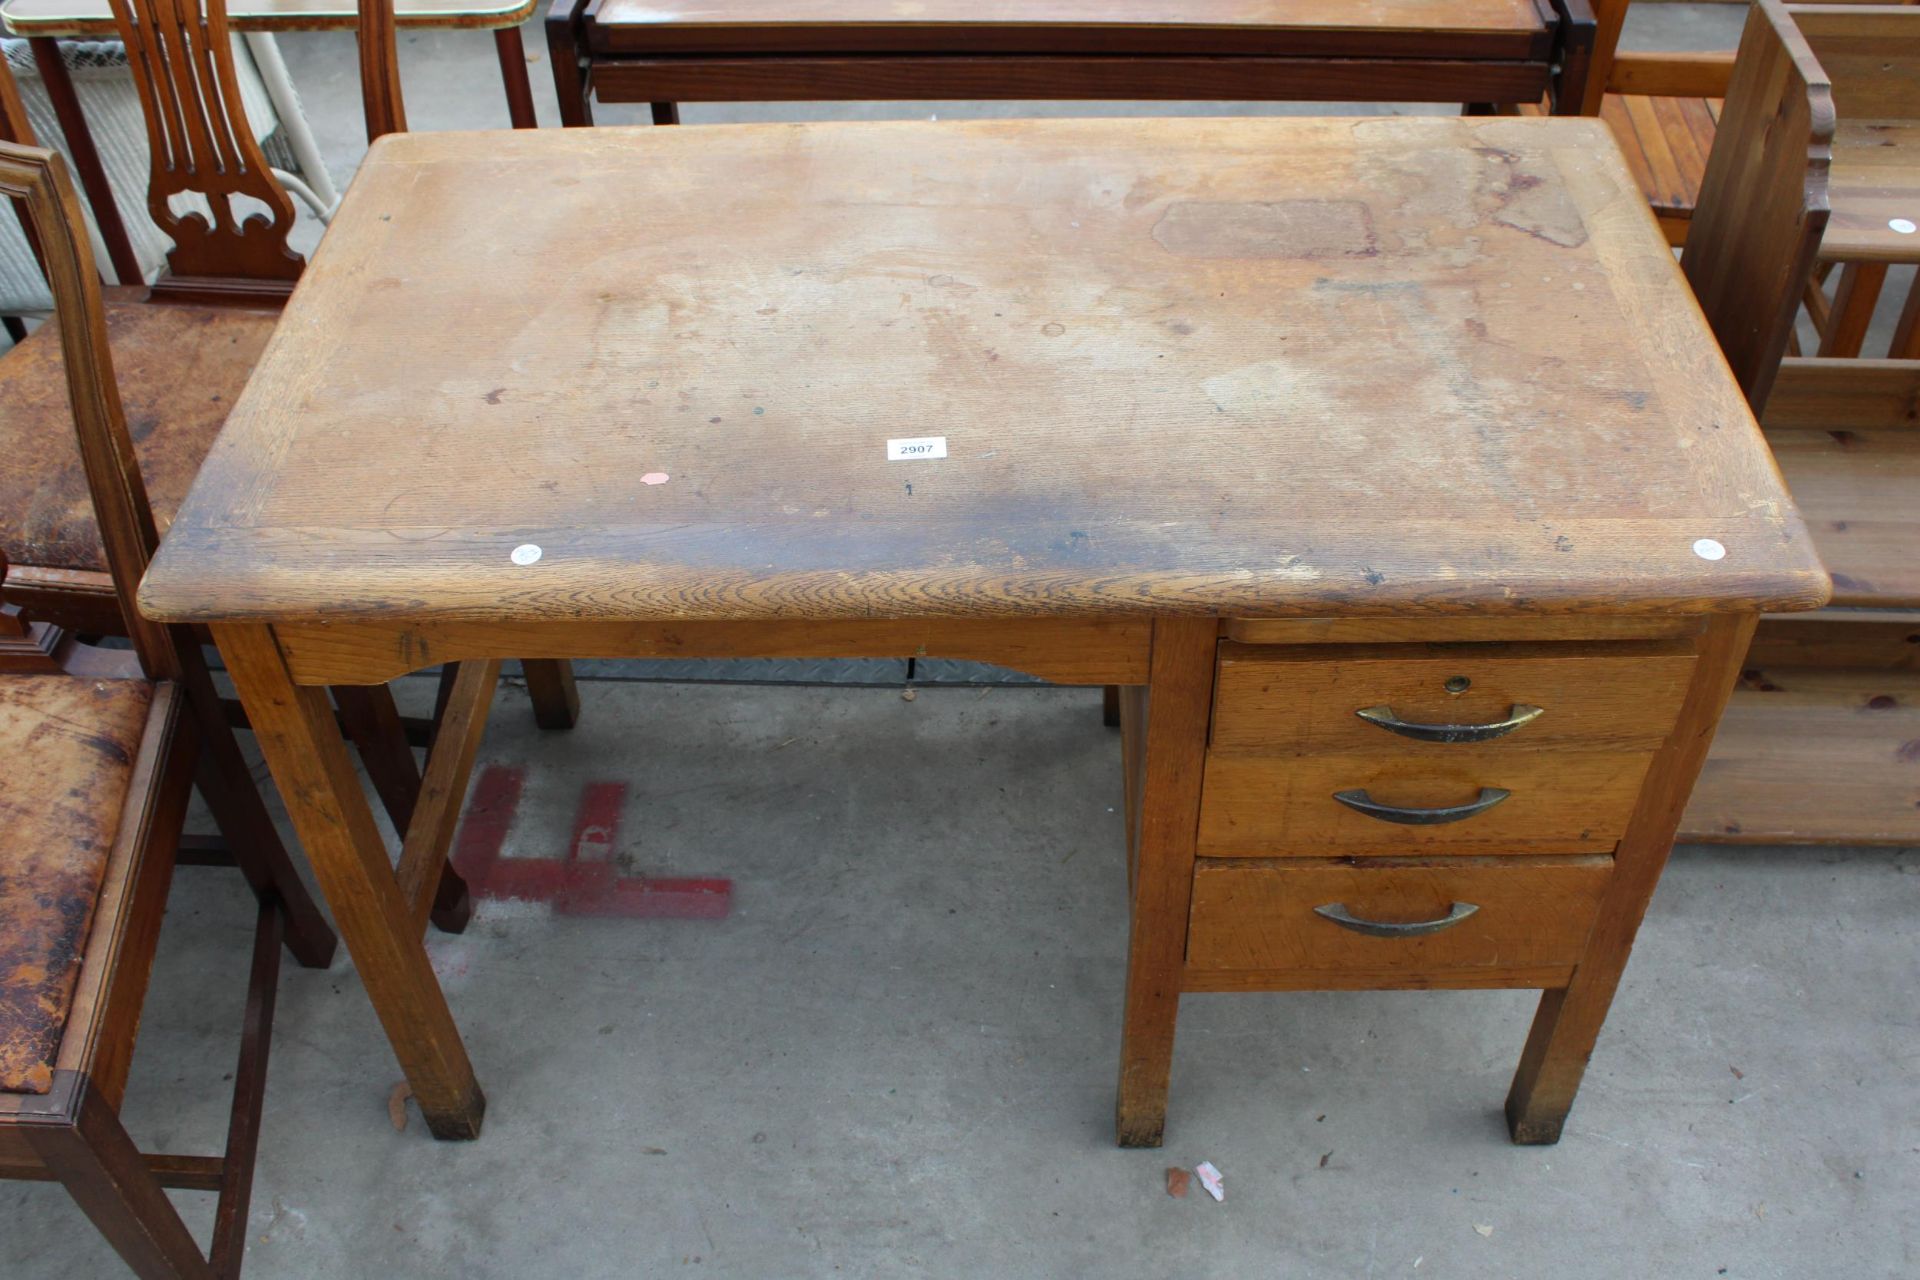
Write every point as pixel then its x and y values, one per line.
pixel 101 750
pixel 1817 743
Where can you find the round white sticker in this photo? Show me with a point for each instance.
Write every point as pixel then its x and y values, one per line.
pixel 1904 226
pixel 525 553
pixel 1708 549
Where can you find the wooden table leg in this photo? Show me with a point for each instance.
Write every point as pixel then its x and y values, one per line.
pixel 513 75
pixel 665 112
pixel 1179 693
pixel 556 699
pixel 1568 1021
pixel 303 747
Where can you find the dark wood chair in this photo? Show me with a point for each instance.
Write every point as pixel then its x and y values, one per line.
pixel 1817 743
pixel 102 749
pixel 185 347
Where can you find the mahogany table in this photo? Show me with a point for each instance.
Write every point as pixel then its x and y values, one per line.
pixel 1387 463
pixel 1486 52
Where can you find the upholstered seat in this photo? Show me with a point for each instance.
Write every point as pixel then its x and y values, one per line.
pixel 179 369
pixel 69 744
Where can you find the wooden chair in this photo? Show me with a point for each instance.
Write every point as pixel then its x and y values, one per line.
pixel 1664 108
pixel 186 347
pixel 1817 744
pixel 102 750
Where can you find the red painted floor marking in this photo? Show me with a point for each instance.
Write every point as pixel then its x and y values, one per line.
pixel 583 881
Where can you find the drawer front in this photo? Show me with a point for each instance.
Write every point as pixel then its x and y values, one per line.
pixel 1404 749
pixel 1305 699
pixel 1263 806
pixel 1459 922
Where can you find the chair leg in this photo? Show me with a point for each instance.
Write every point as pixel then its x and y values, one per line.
pixel 234 799
pixel 249 1096
pixel 108 1178
pixel 1110 706
pixel 1853 304
pixel 513 76
pixel 372 724
pixel 665 112
pixel 556 699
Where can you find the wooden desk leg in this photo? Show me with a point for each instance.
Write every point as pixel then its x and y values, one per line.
pixel 303 747
pixel 1568 1021
pixel 1110 706
pixel 665 112
pixel 513 75
pixel 556 699
pixel 1179 694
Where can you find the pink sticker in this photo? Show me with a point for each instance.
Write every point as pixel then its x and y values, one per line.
pixel 654 477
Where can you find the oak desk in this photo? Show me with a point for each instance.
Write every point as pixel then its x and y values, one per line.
pixel 1467 51
pixel 1272 421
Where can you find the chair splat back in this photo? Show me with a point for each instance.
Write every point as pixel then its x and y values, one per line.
pixel 201 144
pixel 38 180
pixel 1763 200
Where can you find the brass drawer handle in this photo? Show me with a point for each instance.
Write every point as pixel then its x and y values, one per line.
pixel 1338 913
pixel 1384 717
pixel 1360 801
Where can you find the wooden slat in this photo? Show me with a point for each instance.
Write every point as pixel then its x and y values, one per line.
pixel 1857 491
pixel 1671 187
pixel 1875 180
pixel 1844 395
pixel 1670 75
pixel 1874 639
pixel 1814 756
pixel 444 787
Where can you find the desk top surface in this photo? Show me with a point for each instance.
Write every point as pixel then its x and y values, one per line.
pixel 1247 367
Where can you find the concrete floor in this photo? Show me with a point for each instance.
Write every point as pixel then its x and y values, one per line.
pixel 896 1056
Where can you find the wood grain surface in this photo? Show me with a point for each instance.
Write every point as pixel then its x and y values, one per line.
pixel 1264 367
